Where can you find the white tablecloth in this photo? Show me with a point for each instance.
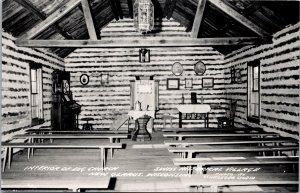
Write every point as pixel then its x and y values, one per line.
pixel 194 108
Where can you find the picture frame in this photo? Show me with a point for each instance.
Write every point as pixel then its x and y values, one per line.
pixel 144 55
pixel 199 68
pixel 177 69
pixel 84 79
pixel 188 83
pixel 173 83
pixel 207 82
pixel 104 79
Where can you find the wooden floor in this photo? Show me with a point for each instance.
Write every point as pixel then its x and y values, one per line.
pixel 140 167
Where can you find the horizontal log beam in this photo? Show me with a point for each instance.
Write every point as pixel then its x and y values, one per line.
pixel 143 42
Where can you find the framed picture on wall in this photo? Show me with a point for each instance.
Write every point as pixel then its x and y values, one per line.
pixel 104 79
pixel 188 83
pixel 144 55
pixel 207 82
pixel 173 84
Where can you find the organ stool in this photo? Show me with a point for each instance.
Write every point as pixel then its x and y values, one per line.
pixel 167 117
pixel 87 126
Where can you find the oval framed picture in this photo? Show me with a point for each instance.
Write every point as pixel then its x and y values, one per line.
pixel 199 68
pixel 177 69
pixel 84 79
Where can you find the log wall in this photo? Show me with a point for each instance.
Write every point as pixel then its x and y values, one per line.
pixel 16 111
pixel 279 64
pixel 105 102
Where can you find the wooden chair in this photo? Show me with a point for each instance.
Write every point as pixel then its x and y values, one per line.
pixel 228 120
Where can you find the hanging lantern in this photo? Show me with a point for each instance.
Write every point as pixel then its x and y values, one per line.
pixel 143 15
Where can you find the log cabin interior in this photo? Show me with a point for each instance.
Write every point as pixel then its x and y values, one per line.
pixel 150 95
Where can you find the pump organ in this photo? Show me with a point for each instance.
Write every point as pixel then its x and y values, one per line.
pixel 65 110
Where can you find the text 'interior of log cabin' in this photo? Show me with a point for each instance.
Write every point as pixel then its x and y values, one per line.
pixel 150 96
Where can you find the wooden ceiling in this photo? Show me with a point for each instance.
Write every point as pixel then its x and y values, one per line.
pixel 205 19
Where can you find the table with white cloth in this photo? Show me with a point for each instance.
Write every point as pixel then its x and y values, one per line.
pixel 141 119
pixel 194 112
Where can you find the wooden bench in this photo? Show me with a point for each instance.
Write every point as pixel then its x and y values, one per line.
pixel 229 141
pixel 182 135
pixel 8 149
pixel 227 149
pixel 111 137
pixel 49 131
pixel 216 181
pixel 205 129
pixel 202 163
pixel 70 184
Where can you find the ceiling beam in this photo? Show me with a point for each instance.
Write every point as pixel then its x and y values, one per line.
pixel 169 8
pixel 198 18
pixel 239 17
pixel 130 7
pixel 89 19
pixel 143 42
pixel 30 7
pixel 51 19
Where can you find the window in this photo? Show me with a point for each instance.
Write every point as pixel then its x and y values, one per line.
pixel 254 91
pixel 36 94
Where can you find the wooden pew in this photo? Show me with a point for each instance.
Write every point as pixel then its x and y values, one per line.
pixel 182 135
pixel 227 149
pixel 70 184
pixel 229 141
pixel 202 163
pixel 49 131
pixel 205 129
pixel 8 149
pixel 111 137
pixel 216 181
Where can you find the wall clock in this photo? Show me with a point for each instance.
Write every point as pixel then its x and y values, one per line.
pixel 84 79
pixel 199 68
pixel 177 69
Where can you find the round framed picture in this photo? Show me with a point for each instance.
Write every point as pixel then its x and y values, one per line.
pixel 199 68
pixel 177 69
pixel 84 79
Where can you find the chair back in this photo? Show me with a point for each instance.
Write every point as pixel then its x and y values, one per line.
pixel 232 109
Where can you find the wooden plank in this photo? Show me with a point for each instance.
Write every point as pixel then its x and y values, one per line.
pixel 39 131
pixel 72 184
pixel 30 7
pixel 169 8
pixel 89 19
pixel 142 42
pixel 50 20
pixel 198 18
pixel 239 17
pixel 73 136
pixel 229 141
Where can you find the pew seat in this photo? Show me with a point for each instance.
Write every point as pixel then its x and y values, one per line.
pixel 189 151
pixel 8 149
pixel 50 131
pixel 182 135
pixel 50 184
pixel 229 141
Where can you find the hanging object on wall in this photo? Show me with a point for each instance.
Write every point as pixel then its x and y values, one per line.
pixel 143 16
pixel 84 79
pixel 177 69
pixel 199 68
pixel 144 55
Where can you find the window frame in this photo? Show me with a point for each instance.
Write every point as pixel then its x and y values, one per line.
pixel 250 88
pixel 39 120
